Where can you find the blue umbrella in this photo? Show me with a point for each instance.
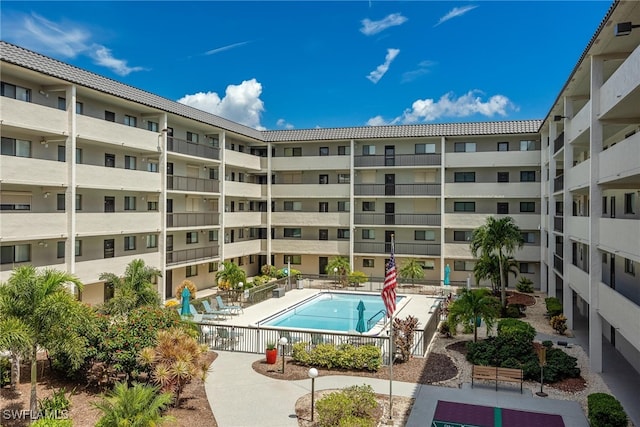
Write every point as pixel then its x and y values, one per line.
pixel 447 274
pixel 360 326
pixel 186 297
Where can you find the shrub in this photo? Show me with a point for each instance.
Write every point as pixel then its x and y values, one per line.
pixel 46 422
pixel 515 337
pixel 5 371
pixel 559 323
pixel 547 344
pixel 139 405
pixel 353 406
pixel 524 285
pixel 344 356
pixel 268 270
pixel 55 406
pixel 482 352
pixel 560 366
pixel 554 306
pixel 189 285
pixel 512 311
pixel 511 362
pixel 403 332
pixel 605 410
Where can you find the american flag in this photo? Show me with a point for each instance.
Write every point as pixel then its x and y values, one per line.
pixel 389 289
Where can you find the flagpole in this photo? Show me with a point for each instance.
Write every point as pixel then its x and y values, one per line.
pixel 391 346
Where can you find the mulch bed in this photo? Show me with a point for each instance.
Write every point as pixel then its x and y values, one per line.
pixel 520 298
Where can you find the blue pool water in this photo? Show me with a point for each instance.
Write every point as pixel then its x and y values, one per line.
pixel 331 311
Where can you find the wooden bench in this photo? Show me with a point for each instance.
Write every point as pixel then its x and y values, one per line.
pixel 492 373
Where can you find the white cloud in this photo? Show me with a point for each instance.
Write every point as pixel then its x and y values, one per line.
pixel 454 13
pixel 223 48
pixel 241 103
pixel 423 68
pixel 429 110
pixel 282 123
pixel 370 27
pixel 382 69
pixel 102 56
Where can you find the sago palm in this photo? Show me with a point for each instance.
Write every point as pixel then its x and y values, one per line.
pixel 472 305
pixel 137 406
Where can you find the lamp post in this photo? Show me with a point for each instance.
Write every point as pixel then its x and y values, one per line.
pixel 335 274
pixel 542 361
pixel 313 373
pixel 283 342
pixel 240 286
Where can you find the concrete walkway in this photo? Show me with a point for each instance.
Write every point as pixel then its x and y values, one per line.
pixel 240 397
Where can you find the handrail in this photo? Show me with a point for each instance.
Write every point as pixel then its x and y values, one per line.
pixel 370 323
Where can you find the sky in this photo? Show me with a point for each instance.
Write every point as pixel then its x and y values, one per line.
pixel 304 64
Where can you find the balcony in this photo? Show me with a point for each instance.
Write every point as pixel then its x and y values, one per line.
pixel 107 223
pixel 557 264
pixel 36 118
pixel 622 313
pixel 242 160
pixel 620 162
pixel 188 256
pixel 306 163
pixel 314 191
pixel 579 281
pixel 100 177
pixel 620 236
pixel 242 248
pixel 558 224
pixel 245 190
pixel 320 247
pixel 579 123
pixel 409 160
pixel 400 248
pixel 558 183
pixel 493 159
pixel 310 219
pixel 558 143
pixel 621 84
pixel 244 219
pixel 29 171
pixel 475 220
pixel 88 271
pixel 192 219
pixel 578 176
pixel 189 148
pixel 16 226
pixel 397 219
pixel 493 190
pixel 91 129
pixel 457 250
pixel 199 185
pixel 397 190
pixel 578 228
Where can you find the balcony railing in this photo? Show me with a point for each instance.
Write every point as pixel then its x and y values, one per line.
pixel 400 248
pixel 558 183
pixel 195 219
pixel 188 255
pixel 558 224
pixel 192 149
pixel 398 160
pixel 397 189
pixel 397 219
pixel 185 183
pixel 558 143
pixel 557 264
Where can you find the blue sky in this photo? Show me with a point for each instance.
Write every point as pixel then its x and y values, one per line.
pixel 304 64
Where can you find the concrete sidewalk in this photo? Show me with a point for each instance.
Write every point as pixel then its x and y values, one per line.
pixel 240 397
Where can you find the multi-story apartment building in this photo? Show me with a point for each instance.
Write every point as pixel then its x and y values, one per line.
pixel 96 173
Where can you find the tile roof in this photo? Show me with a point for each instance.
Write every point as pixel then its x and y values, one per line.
pixel 31 60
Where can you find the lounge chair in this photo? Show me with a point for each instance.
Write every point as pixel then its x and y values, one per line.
pixel 197 316
pixel 226 339
pixel 232 308
pixel 290 340
pixel 210 310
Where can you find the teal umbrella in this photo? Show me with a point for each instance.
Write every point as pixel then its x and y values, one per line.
pixel 360 326
pixel 186 297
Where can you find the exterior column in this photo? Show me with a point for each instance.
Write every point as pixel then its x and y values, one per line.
pixel 443 217
pixel 269 184
pixel 552 285
pixel 162 164
pixel 352 206
pixel 567 203
pixel 222 240
pixel 70 194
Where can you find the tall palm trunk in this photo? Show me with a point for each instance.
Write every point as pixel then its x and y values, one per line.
pixel 34 376
pixel 15 370
pixel 503 282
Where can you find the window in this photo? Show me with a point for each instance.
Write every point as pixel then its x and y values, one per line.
pixel 629 267
pixel 527 206
pixel 464 206
pixel 79 108
pixel 293 152
pixel 78 202
pixel 368 150
pixel 604 204
pixel 293 233
pixel 503 208
pixel 323 179
pixel 15 92
pixel 528 237
pixel 79 156
pixel 109 160
pixel 324 151
pixel 129 243
pixel 628 203
pixel 343 206
pixel 60 249
pixel 130 162
pixel 192 137
pixel 343 233
pixel 527 176
pixel 503 146
pixel 191 270
pixel 60 201
pixel 460 265
pixel 344 178
pixel 344 150
pixel 503 176
pixel 241 233
pixel 152 166
pixel 464 177
pixel 425 148
pixel 213 235
pixel 525 268
pixel 15 147
pixel 130 121
pixel 292 206
pixel 527 145
pixel 462 235
pixel 323 207
pixel 109 116
pixel 152 126
pixel 429 265
pixel 192 237
pixel 323 234
pixel 14 254
pixel 129 203
pixel 62 103
pixel 62 153
pixel 152 206
pixel 428 235
pixel 78 248
pixel 368 234
pixel 213 267
pixel 152 241
pixel 293 259
pixel 368 263
pixel 465 147
pixel 368 206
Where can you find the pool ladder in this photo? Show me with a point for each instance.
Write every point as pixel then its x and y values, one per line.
pixel 371 322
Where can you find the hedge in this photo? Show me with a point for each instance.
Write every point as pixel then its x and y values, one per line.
pixel 344 356
pixel 605 410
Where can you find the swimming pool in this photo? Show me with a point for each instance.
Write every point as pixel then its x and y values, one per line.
pixel 333 311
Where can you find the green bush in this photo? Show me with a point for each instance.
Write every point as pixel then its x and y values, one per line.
pixel 46 422
pixel 515 338
pixel 605 410
pixel 55 406
pixel 547 344
pixel 5 371
pixel 344 356
pixel 554 306
pixel 511 362
pixel 524 285
pixel 353 406
pixel 512 311
pixel 482 352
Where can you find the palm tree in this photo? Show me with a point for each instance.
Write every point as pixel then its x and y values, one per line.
pixel 500 237
pixel 132 290
pixel 14 337
pixel 472 305
pixel 339 266
pixel 230 275
pixel 488 267
pixel 136 406
pixel 411 269
pixel 49 312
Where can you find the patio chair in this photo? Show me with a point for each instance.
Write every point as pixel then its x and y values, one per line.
pixel 232 308
pixel 225 338
pixel 197 316
pixel 210 310
pixel 290 340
